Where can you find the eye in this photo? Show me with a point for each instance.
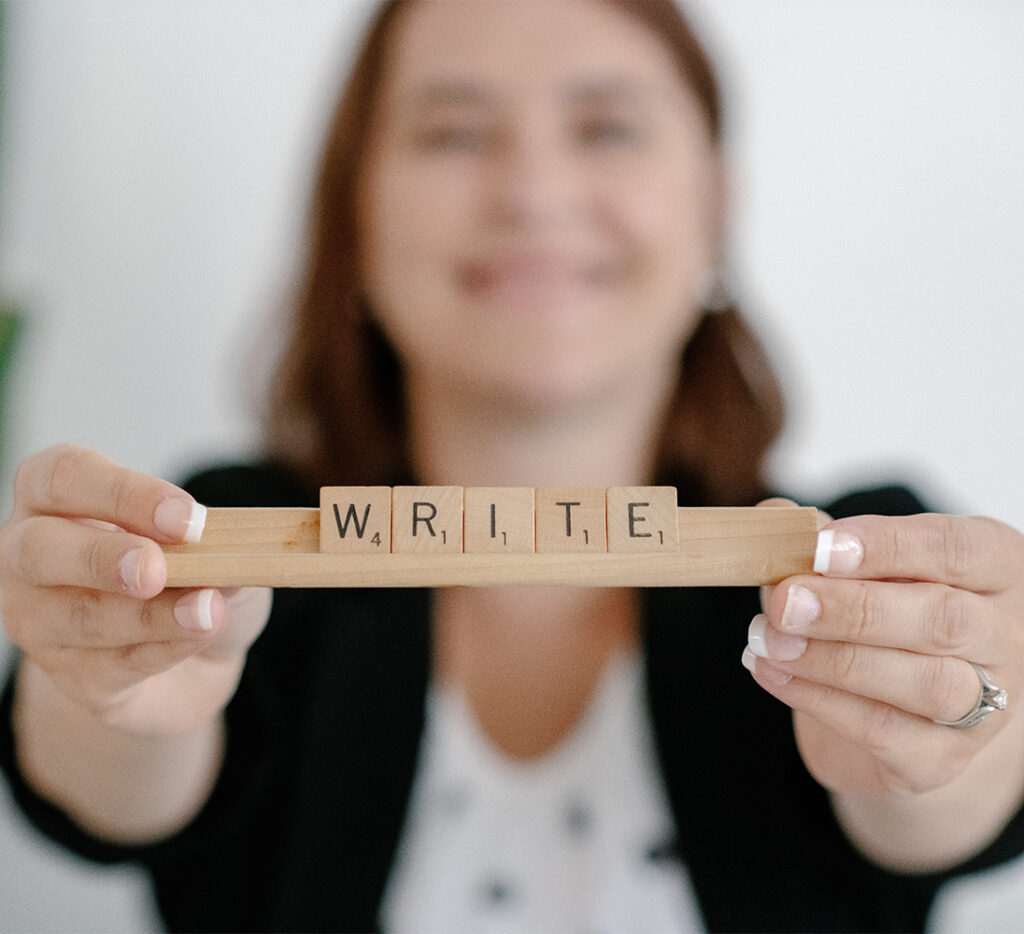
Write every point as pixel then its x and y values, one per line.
pixel 609 131
pixel 453 137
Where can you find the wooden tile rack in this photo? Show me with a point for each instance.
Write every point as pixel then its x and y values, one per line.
pixel 645 542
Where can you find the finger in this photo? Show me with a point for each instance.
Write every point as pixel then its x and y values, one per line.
pixel 98 677
pixel 932 619
pixel 75 618
pixel 235 621
pixel 879 744
pixel 972 553
pixel 247 610
pixel 74 482
pixel 49 551
pixel 779 502
pixel 99 524
pixel 935 687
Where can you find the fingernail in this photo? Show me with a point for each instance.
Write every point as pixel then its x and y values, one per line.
pixel 772 675
pixel 194 611
pixel 764 670
pixel 837 552
pixel 130 569
pixel 784 647
pixel 802 608
pixel 180 519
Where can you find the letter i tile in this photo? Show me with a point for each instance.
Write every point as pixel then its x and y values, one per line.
pixel 499 519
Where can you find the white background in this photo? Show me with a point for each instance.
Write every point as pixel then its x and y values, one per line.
pixel 156 164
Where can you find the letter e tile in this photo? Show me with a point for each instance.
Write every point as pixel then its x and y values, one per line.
pixel 642 518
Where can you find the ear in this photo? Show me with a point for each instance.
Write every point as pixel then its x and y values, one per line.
pixel 719 204
pixel 716 248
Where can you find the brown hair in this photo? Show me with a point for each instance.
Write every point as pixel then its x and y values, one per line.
pixel 336 411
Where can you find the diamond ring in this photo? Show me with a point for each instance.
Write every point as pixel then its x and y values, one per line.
pixel 989 698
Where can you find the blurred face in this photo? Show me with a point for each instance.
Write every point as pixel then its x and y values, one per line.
pixel 540 202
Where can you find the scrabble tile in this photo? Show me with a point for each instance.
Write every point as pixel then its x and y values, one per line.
pixel 426 518
pixel 642 518
pixel 571 519
pixel 499 519
pixel 355 519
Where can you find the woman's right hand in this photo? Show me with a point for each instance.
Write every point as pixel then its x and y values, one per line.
pixel 83 581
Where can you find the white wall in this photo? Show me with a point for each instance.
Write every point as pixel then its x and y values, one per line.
pixel 157 158
pixel 154 187
pixel 879 152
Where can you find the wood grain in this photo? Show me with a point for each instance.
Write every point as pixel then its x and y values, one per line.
pixel 280 548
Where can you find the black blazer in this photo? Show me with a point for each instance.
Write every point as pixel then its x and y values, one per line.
pixel 323 737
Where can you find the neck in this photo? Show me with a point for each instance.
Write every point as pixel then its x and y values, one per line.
pixel 458 438
pixel 528 658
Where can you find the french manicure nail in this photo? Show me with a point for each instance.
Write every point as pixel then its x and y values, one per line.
pixel 784 647
pixel 195 610
pixel 837 552
pixel 180 519
pixel 801 610
pixel 748 660
pixel 130 569
pixel 755 636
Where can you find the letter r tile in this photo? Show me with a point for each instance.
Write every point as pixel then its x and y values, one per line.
pixel 355 519
pixel 426 518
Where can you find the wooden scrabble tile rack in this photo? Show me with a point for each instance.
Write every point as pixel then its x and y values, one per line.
pixel 484 536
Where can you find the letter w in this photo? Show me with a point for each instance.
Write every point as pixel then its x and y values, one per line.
pixel 351 516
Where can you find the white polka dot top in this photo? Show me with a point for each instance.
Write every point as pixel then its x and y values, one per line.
pixel 578 840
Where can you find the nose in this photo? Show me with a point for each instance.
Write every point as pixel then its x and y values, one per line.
pixel 533 182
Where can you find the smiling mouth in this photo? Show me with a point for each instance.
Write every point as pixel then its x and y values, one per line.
pixel 533 275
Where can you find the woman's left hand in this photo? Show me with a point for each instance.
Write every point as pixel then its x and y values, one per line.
pixel 877 647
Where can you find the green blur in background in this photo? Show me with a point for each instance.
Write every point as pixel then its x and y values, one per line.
pixel 10 319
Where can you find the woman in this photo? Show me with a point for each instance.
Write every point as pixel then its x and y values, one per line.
pixel 518 220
